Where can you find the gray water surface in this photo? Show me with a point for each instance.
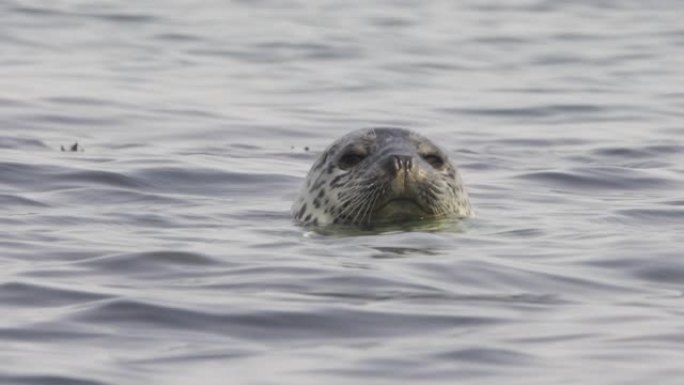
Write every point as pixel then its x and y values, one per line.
pixel 162 252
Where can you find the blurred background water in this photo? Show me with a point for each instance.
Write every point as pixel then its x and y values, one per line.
pixel 162 252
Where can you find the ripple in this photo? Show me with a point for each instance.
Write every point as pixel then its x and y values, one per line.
pixel 23 294
pixel 602 178
pixel 208 181
pixel 656 216
pixel 642 152
pixel 487 356
pixel 46 331
pixel 534 112
pixel 11 103
pixel 19 174
pixel 541 142
pixel 21 143
pixel 274 324
pixel 661 272
pixel 123 18
pixel 318 51
pixel 83 101
pixel 48 380
pixel 159 263
pixel 7 200
pixel 70 120
pixel 48 176
pixel 37 11
pixel 177 37
pixel 112 196
pixel 98 177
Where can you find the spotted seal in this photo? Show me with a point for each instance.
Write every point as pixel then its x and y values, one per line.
pixel 381 175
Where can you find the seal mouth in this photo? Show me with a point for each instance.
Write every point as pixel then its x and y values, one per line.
pixel 400 209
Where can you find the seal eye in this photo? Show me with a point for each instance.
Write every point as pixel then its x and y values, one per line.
pixel 435 160
pixel 350 159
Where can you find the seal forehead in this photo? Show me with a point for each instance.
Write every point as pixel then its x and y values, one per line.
pixel 368 138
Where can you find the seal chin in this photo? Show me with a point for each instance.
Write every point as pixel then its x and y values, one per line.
pixel 399 209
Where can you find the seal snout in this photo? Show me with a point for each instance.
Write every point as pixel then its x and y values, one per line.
pixel 401 170
pixel 398 164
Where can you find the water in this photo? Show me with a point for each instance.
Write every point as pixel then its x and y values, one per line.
pixel 162 251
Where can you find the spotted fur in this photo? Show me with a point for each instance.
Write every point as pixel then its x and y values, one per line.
pixel 378 184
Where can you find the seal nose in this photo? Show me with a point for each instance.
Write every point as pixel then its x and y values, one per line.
pixel 398 163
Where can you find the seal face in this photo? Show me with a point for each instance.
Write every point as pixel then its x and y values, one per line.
pixel 381 175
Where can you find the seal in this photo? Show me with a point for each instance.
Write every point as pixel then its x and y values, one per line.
pixel 379 176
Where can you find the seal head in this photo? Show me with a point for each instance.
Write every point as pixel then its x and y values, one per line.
pixel 381 175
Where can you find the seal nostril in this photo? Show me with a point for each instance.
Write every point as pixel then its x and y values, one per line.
pixel 401 162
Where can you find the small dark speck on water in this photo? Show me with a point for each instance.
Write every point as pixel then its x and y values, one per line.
pixel 73 148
